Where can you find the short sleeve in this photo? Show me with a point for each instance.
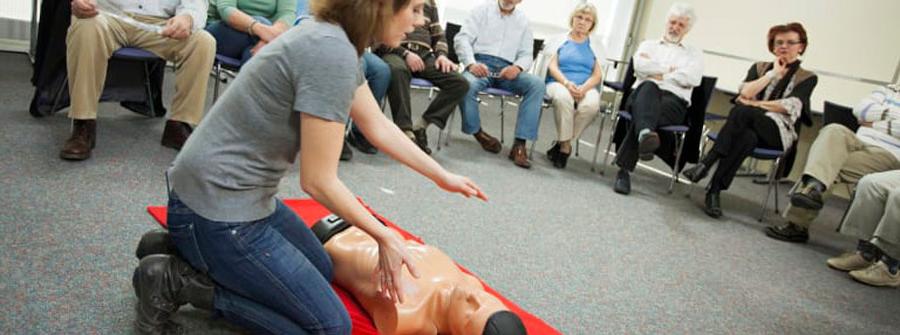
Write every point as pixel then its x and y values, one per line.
pixel 326 78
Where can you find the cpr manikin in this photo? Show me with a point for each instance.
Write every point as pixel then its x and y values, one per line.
pixel 443 300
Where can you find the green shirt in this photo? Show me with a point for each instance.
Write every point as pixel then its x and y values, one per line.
pixel 273 10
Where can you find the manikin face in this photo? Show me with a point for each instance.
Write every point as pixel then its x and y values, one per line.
pixel 509 5
pixel 787 46
pixel 676 28
pixel 404 21
pixel 582 23
pixel 470 309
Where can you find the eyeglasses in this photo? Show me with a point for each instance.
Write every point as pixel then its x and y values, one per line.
pixel 787 43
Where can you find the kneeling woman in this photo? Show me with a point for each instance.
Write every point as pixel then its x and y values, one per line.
pixel 773 96
pixel 270 273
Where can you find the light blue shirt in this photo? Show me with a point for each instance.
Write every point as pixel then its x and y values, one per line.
pixel 166 9
pixel 488 31
pixel 576 61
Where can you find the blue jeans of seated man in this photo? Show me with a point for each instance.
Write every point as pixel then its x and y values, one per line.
pixel 271 274
pixel 530 87
pixel 378 74
pixel 232 42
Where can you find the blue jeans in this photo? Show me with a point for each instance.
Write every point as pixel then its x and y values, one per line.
pixel 530 87
pixel 378 74
pixel 271 274
pixel 234 43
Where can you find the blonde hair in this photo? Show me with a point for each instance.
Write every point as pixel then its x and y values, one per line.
pixel 362 20
pixel 585 8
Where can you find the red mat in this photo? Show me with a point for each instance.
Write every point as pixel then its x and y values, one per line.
pixel 311 211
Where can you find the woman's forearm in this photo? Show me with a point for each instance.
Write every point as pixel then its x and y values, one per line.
pixel 553 68
pixel 751 88
pixel 240 21
pixel 772 106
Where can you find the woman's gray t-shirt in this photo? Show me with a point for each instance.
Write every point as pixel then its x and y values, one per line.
pixel 231 165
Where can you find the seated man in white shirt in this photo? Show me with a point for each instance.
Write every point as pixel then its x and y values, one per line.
pixel 839 155
pixel 667 71
pixel 495 46
pixel 93 38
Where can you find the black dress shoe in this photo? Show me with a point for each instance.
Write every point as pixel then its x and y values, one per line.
pixel 809 196
pixel 553 153
pixel 561 160
pixel 789 233
pixel 713 207
pixel 359 141
pixel 175 134
pixel 346 152
pixel 623 182
pixel 422 140
pixel 696 173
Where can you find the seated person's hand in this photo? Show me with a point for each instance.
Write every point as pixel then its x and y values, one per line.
pixel 414 62
pixel 264 32
pixel 656 76
pixel 178 27
pixel 444 64
pixel 865 124
pixel 84 9
pixel 582 91
pixel 479 70
pixel 258 47
pixel 510 72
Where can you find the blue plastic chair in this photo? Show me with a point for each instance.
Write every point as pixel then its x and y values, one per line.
pixel 226 63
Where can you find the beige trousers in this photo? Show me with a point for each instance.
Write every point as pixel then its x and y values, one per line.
pixel 837 155
pixel 874 214
pixel 90 42
pixel 571 121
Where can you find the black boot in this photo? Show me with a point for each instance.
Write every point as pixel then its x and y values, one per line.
pixel 553 153
pixel 154 242
pixel 789 232
pixel 713 207
pixel 623 182
pixel 561 160
pixel 162 284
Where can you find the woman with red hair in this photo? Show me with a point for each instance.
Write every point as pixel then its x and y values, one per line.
pixel 771 100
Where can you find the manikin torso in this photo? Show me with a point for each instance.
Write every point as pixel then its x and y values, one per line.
pixel 426 299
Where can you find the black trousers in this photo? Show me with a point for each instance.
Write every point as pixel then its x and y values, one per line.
pixel 452 84
pixel 746 129
pixel 650 108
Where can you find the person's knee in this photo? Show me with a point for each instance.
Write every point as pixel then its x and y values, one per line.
pixel 458 82
pixel 399 71
pixel 86 28
pixel 203 43
pixel 834 129
pixel 533 84
pixel 339 324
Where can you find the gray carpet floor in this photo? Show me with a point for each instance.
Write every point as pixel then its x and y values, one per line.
pixel 559 243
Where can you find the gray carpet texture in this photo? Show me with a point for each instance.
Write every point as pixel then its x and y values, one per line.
pixel 560 243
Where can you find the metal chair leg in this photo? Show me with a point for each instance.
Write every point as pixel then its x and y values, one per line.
pixel 597 143
pixel 58 95
pixel 149 89
pixel 502 119
pixel 612 133
pixel 675 169
pixel 540 116
pixel 218 79
pixel 772 173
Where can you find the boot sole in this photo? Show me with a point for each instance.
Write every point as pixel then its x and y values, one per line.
pixel 74 157
pixel 805 202
pixel 780 237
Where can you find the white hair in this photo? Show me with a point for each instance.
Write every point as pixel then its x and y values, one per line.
pixel 681 9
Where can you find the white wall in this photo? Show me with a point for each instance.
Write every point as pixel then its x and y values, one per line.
pixel 16 9
pixel 853 38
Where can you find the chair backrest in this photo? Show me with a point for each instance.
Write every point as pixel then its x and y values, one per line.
pixel 628 83
pixel 537 46
pixel 840 114
pixel 450 33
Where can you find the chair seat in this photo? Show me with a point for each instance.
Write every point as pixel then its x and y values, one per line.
pixel 419 82
pixel 672 128
pixel 615 85
pixel 228 62
pixel 758 153
pixel 498 92
pixel 134 53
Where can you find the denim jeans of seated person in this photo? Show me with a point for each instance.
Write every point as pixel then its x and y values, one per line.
pixel 529 86
pixel 272 275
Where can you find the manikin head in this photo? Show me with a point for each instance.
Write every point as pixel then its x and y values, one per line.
pixel 474 311
pixel 368 21
pixel 679 21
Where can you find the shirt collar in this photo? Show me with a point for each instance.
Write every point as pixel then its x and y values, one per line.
pixel 664 42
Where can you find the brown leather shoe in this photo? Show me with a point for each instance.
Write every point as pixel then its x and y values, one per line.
pixel 84 137
pixel 175 134
pixel 519 155
pixel 488 142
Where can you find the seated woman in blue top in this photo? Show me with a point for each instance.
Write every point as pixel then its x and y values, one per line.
pixel 242 27
pixel 575 70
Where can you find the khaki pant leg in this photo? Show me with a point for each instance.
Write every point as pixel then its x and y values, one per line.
pixel 830 151
pixel 193 58
pixel 887 234
pixel 587 110
pixel 869 203
pixel 89 44
pixel 564 110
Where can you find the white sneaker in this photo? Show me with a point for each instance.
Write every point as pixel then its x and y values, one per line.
pixel 849 261
pixel 877 275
